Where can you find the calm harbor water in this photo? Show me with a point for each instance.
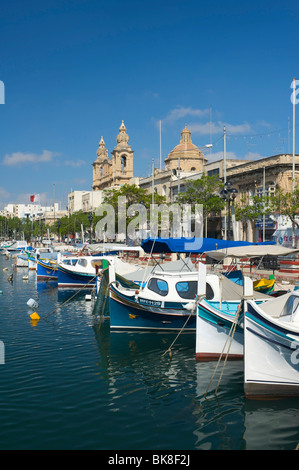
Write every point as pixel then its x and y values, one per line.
pixel 68 383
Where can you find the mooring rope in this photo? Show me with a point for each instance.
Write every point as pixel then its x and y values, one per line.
pixel 191 313
pixel 230 336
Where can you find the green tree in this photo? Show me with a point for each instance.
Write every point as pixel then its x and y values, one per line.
pixel 66 226
pixel 248 210
pixel 205 191
pixel 132 195
pixel 286 203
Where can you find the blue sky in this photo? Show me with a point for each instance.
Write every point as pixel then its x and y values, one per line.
pixel 73 70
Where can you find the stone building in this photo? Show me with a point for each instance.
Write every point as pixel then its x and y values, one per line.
pixel 118 170
pixel 258 177
pixel 187 154
pixel 184 162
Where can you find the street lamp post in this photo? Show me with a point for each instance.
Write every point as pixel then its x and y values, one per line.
pixel 229 195
pixel 58 227
pixel 90 218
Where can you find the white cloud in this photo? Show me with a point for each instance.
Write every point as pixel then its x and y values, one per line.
pixel 4 197
pixel 214 157
pixel 181 111
pixel 217 128
pixel 204 129
pixel 19 158
pixel 244 128
pixel 74 163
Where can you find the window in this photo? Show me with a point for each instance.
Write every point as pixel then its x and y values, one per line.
pixel 158 285
pixel 209 292
pixel 188 290
pixel 100 264
pixel 82 262
pixel 213 172
pixel 123 163
pixel 269 190
pixel 97 263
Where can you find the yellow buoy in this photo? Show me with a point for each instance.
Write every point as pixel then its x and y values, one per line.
pixel 34 316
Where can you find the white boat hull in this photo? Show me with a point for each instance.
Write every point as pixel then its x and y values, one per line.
pixel 212 335
pixel 271 356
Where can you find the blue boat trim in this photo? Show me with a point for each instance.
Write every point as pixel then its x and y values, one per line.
pixel 68 278
pixel 276 329
pixel 269 340
pixel 127 313
pixel 211 317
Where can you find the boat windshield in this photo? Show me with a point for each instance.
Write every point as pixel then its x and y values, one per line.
pixel 82 262
pixel 159 286
pixel 290 306
pixel 188 290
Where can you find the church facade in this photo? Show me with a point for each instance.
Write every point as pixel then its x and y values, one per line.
pixel 118 170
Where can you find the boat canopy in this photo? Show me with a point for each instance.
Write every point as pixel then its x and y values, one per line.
pixel 251 251
pixel 188 245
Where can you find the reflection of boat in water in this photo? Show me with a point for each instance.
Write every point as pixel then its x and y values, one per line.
pixel 125 344
pixel 271 427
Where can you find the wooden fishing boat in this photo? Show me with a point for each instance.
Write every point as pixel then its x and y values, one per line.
pixel 219 330
pixel 271 339
pixel 264 285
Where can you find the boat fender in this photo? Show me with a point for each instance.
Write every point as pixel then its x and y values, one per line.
pixel 189 306
pixel 32 303
pixel 35 316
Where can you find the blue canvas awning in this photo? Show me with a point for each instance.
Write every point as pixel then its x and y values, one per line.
pixel 187 245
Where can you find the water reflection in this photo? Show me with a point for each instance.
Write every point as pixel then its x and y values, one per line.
pixel 102 389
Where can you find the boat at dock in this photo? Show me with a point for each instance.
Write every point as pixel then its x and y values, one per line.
pixel 219 334
pixel 219 328
pixel 82 271
pixel 16 246
pixel 167 299
pixel 166 302
pixel 271 342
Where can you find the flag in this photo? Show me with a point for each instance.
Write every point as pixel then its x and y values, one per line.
pixel 34 197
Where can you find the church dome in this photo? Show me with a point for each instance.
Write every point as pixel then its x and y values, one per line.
pixel 185 143
pixel 190 156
